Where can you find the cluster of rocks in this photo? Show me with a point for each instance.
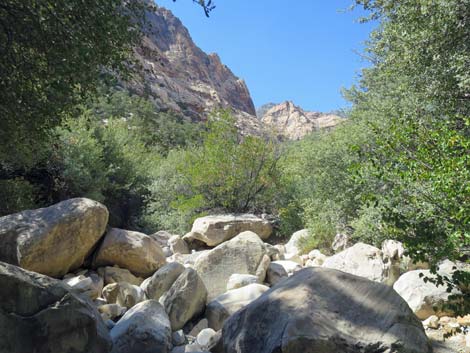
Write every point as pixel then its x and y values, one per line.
pixel 71 284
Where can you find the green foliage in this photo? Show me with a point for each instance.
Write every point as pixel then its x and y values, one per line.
pixel 52 53
pixel 226 173
pixel 107 162
pixel 167 187
pixel 20 195
pixel 415 99
pixel 234 173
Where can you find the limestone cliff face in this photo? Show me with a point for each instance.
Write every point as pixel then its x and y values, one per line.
pixel 181 77
pixel 291 122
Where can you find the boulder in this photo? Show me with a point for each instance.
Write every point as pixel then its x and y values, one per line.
pixel 328 311
pixel 201 325
pixel 178 245
pixel 134 251
pixel 293 258
pixel 237 281
pixel 123 294
pixel 187 259
pixel 185 299
pixel 111 311
pixel 206 338
pixel 216 229
pixel 162 280
pixel 360 260
pixel 219 309
pixel 54 240
pixel 293 246
pixel 241 254
pixel 289 266
pixel 40 314
pixel 116 275
pixel 424 298
pixel 315 258
pixel 275 273
pixel 90 285
pixel 263 268
pixel 178 338
pixel 161 237
pixel 143 329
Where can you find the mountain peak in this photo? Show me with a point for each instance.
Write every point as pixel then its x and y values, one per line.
pixel 292 122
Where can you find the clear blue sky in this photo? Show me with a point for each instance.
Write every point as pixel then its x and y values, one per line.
pixel 299 50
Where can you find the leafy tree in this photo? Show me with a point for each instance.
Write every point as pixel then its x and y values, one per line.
pixel 227 173
pixel 416 98
pixel 51 53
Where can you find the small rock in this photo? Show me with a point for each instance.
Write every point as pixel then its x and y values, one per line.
pixel 124 294
pixel 240 280
pixel 178 245
pixel 294 258
pixel 275 273
pixel 111 311
pixel 205 337
pixel 201 325
pixel 116 275
pixel 178 338
pixel 464 321
pixel 431 322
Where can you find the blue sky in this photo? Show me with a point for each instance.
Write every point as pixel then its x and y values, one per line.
pixel 303 51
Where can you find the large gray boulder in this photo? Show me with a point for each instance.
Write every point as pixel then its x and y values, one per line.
pixel 214 230
pixel 328 311
pixel 134 251
pixel 241 255
pixel 219 309
pixel 423 297
pixel 40 314
pixel 54 240
pixel 361 260
pixel 185 299
pixel 143 329
pixel 162 280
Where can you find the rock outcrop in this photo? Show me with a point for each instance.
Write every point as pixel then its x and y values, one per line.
pixel 328 311
pixel 214 230
pixel 180 77
pixel 292 122
pixel 53 240
pixel 41 314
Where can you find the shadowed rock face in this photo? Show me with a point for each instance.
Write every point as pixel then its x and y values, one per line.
pixel 40 314
pixel 321 310
pixel 183 78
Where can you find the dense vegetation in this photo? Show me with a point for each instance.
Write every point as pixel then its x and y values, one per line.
pixel 398 167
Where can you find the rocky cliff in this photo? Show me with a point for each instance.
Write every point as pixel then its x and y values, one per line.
pixel 180 77
pixel 292 122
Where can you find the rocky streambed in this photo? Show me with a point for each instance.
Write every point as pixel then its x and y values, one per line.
pixel 69 283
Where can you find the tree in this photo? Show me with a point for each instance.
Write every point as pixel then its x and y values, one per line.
pixel 416 100
pixel 53 52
